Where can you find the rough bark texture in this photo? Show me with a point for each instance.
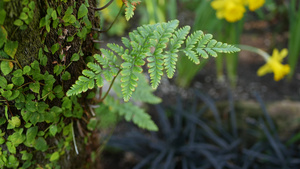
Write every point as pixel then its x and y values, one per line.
pixel 31 40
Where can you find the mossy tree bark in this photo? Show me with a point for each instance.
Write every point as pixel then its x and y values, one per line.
pixel 34 38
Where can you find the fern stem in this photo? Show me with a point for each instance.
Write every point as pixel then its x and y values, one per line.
pixel 100 31
pixel 105 6
pixel 262 53
pixel 110 86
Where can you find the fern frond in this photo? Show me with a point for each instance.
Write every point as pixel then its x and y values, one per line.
pixel 126 42
pixel 128 82
pixel 138 116
pixel 108 63
pixel 208 46
pixel 204 39
pixel 160 39
pixel 131 113
pixel 116 48
pixel 170 58
pixel 130 7
pixel 156 44
pixel 95 67
pixel 88 73
pixel 99 80
pixel 143 92
pixel 81 85
pixel 225 48
pixel 190 44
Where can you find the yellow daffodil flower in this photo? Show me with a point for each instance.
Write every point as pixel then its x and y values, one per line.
pixel 231 10
pixel 274 65
pixel 255 4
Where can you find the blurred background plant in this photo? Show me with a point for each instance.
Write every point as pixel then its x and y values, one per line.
pixel 293 7
pixel 233 12
pixel 217 17
pixel 111 15
pixel 157 11
pixel 195 134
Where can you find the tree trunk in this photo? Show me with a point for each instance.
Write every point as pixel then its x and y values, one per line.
pixel 30 43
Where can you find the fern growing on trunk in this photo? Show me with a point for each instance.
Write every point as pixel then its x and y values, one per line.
pixel 158 45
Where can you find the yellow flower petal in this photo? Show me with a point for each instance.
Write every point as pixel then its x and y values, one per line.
pixel 255 4
pixel 283 54
pixel 265 69
pixel 280 71
pixel 274 65
pixel 231 10
pixel 218 4
pixel 234 12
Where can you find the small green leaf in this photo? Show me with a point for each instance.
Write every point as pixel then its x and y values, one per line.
pixel 18 22
pixel 92 123
pixel 58 10
pixel 6 112
pixel 82 33
pixel 66 76
pixel 87 22
pixel 35 87
pixel 12 162
pixel 31 134
pixel 2 140
pixel 75 57
pixel 54 48
pixel 25 9
pixel 11 48
pixel 17 137
pixel 26 155
pixel 15 94
pixel 46 49
pixel 70 38
pixel 7 94
pixel 54 15
pixel 67 129
pixel 23 16
pixel 24 2
pixel 53 129
pixel 69 11
pixel 67 103
pixel 31 5
pixel 6 67
pixel 30 106
pixel 15 121
pixel 82 11
pixel 18 81
pixel 3 36
pixel 41 133
pixel 2 16
pixel 27 125
pixel 3 82
pixel 54 156
pixel 69 19
pixel 26 69
pixel 41 144
pixel 18 73
pixel 43 22
pixel 58 69
pixel 11 148
pixel 2 121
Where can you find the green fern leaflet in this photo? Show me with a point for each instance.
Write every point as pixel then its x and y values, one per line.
pixel 158 45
